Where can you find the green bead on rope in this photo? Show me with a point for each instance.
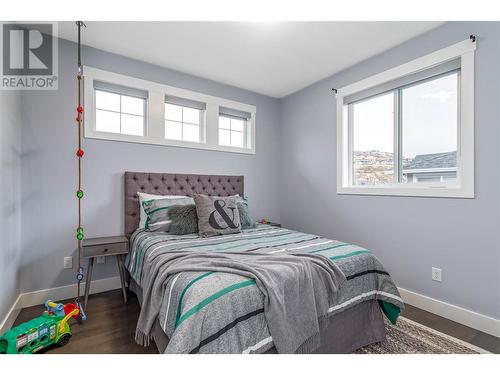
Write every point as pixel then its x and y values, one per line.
pixel 79 194
pixel 79 234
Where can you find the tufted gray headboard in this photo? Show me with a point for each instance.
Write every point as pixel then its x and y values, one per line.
pixel 173 184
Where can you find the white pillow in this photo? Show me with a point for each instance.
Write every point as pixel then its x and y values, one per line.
pixel 146 197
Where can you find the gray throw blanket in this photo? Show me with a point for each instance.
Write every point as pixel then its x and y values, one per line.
pixel 298 291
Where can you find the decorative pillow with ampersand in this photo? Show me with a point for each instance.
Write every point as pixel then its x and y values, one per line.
pixel 217 215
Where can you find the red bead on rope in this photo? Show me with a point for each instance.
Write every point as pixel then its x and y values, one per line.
pixel 79 153
pixel 80 109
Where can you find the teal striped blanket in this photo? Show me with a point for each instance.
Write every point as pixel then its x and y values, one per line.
pixel 214 312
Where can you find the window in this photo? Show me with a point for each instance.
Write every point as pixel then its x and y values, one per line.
pixel 119 110
pixel 233 128
pixel 409 130
pixel 373 135
pixel 429 124
pixel 128 109
pixel 424 114
pixel 183 119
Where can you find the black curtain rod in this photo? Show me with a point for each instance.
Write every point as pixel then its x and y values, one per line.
pixel 472 37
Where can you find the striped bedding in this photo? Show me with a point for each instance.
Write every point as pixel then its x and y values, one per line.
pixel 211 312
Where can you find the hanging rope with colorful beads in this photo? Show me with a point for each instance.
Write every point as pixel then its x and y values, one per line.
pixel 79 155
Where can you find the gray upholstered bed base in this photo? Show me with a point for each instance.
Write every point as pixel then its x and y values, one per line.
pixel 358 326
pixel 348 331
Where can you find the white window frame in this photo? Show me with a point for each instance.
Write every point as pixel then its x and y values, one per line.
pixel 154 132
pixel 144 113
pixel 245 128
pixel 201 121
pixel 464 187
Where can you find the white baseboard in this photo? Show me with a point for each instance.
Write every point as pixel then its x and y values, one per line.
pixel 11 316
pixel 458 314
pixel 39 297
pixel 68 291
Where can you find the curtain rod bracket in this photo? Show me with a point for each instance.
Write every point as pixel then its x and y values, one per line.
pixel 334 91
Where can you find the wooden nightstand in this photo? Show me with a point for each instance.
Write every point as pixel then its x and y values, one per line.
pixel 116 246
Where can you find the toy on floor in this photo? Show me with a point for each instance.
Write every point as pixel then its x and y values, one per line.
pixel 48 329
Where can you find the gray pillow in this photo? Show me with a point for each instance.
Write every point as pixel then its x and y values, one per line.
pixel 245 219
pixel 157 212
pixel 184 219
pixel 217 215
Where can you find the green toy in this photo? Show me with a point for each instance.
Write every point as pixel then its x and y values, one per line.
pixel 48 329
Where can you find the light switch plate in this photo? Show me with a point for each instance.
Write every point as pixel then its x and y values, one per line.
pixel 68 262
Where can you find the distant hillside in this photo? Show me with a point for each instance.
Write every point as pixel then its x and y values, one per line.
pixel 376 167
pixel 373 167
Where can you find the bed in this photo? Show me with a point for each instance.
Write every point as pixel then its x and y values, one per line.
pixel 206 313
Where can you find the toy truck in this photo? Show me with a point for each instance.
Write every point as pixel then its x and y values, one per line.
pixel 51 328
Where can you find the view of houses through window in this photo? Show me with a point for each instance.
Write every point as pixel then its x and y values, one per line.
pixel 423 118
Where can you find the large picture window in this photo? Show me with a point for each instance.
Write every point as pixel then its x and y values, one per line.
pixel 407 135
pixel 409 130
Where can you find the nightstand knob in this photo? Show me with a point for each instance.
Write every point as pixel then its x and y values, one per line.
pixel 105 250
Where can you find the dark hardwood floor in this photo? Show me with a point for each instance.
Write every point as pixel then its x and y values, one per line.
pixel 457 330
pixel 111 327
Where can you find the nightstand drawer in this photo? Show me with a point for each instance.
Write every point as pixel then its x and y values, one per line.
pixel 105 249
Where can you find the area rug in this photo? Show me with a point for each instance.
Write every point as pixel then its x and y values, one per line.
pixel 409 337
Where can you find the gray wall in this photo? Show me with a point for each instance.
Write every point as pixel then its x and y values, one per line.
pixel 292 176
pixel 49 166
pixel 409 235
pixel 10 193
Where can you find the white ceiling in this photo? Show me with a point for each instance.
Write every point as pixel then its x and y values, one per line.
pixel 272 58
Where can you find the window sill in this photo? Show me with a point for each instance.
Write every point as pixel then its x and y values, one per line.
pixel 164 142
pixel 410 191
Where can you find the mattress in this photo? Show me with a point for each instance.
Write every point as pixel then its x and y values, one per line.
pixel 205 313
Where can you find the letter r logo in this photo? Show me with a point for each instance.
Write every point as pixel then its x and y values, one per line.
pixel 27 49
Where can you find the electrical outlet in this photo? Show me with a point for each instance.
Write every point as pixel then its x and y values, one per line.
pixel 68 262
pixel 101 260
pixel 436 274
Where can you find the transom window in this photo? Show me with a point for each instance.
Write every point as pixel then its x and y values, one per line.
pixel 120 113
pixel 410 130
pixel 130 109
pixel 233 128
pixel 231 131
pixel 182 123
